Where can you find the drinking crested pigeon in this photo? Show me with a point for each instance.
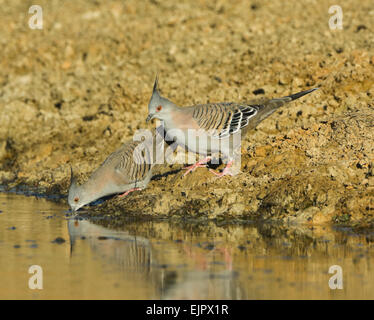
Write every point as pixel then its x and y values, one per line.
pixel 125 170
pixel 212 128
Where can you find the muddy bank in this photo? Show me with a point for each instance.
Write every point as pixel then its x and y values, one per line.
pixel 74 91
pixel 319 174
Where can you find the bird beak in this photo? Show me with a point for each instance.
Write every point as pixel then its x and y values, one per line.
pixel 75 209
pixel 150 117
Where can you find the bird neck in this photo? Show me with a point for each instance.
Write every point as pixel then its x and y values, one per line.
pixel 95 188
pixel 168 116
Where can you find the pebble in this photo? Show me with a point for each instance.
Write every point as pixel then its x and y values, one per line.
pixel 59 240
pixel 102 238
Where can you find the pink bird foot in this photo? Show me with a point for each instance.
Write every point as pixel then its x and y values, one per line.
pixel 128 191
pixel 200 164
pixel 226 171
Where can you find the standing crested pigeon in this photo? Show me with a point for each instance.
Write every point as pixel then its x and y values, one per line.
pixel 125 170
pixel 218 125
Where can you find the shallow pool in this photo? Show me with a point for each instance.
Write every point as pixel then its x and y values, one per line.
pixel 169 260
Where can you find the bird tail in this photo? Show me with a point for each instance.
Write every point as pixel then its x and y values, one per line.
pixel 270 106
pixel 274 104
pixel 300 94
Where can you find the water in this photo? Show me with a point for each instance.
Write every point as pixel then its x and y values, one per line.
pixel 164 260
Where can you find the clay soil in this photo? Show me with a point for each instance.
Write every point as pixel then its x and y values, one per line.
pixel 74 91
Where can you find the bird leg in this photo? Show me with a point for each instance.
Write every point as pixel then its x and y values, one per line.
pixel 226 171
pixel 200 164
pixel 128 191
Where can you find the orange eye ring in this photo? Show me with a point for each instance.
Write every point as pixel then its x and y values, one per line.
pixel 159 108
pixel 76 199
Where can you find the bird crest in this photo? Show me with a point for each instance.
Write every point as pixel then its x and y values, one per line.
pixel 156 97
pixel 73 179
pixel 155 86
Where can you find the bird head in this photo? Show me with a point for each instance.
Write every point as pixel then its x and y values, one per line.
pixel 76 197
pixel 158 106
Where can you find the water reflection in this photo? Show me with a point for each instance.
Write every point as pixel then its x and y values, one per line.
pixel 138 257
pixel 116 259
pixel 130 253
pixel 247 262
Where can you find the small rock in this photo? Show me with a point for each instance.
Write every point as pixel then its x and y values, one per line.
pixel 59 240
pixel 361 27
pixel 258 91
pixel 209 246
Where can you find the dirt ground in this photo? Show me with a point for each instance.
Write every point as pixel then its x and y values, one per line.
pixel 74 91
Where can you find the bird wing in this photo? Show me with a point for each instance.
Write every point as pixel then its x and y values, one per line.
pixel 131 163
pixel 224 119
pixel 135 161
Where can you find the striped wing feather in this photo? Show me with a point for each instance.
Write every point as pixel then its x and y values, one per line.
pixel 224 119
pixel 124 163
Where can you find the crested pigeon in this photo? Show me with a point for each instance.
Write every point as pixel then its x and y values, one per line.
pixel 125 170
pixel 219 125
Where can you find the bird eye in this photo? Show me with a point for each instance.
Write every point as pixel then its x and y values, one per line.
pixel 76 199
pixel 159 108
